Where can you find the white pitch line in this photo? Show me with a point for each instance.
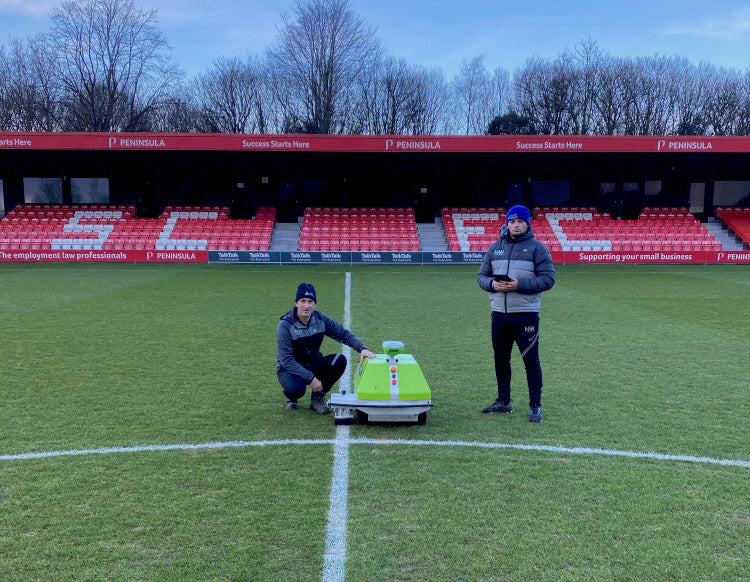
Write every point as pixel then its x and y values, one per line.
pixel 363 440
pixel 369 441
pixel 334 560
pixel 173 447
pixel 558 449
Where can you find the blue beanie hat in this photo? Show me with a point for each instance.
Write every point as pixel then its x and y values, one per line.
pixel 518 211
pixel 306 290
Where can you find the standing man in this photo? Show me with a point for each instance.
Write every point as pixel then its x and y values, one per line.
pixel 299 361
pixel 516 270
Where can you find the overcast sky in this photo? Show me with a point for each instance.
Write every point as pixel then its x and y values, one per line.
pixel 444 33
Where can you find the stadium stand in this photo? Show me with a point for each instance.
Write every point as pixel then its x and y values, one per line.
pixel 51 226
pixel 656 229
pixel 476 228
pixel 358 229
pixel 210 228
pixel 112 227
pixel 584 229
pixel 737 220
pixel 115 227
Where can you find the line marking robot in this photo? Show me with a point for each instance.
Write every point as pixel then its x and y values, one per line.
pixel 389 388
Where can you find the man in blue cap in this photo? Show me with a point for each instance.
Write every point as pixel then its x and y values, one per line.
pixel 515 270
pixel 299 362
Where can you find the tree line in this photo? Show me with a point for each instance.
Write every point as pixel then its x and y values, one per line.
pixel 105 65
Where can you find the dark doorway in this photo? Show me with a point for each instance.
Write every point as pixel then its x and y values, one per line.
pixel 287 207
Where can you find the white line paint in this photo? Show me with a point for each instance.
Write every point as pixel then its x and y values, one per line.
pixel 558 449
pixel 334 560
pixel 151 448
pixel 369 441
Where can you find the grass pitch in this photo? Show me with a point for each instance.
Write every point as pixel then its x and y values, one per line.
pixel 635 358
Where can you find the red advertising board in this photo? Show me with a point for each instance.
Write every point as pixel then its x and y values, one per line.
pixel 657 257
pixel 370 143
pixel 96 256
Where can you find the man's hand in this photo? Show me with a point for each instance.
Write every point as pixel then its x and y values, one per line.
pixel 316 385
pixel 505 286
pixel 365 354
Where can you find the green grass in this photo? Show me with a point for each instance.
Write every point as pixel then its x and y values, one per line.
pixel 635 358
pixel 541 517
pixel 209 515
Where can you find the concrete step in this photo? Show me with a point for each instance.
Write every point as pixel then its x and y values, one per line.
pixel 284 237
pixel 432 236
pixel 729 241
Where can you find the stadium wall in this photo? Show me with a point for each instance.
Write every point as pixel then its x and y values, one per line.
pixel 357 258
pixel 291 172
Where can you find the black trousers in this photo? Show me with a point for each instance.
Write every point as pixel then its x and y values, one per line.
pixel 523 330
pixel 328 370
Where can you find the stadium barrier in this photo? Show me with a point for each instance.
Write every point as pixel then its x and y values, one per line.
pixel 357 258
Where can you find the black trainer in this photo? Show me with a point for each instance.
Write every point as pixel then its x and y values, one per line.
pixel 290 404
pixel 317 404
pixel 499 406
pixel 536 414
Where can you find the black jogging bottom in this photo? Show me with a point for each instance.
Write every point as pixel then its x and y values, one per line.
pixel 523 330
pixel 327 369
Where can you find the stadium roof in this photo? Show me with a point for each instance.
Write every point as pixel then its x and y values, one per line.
pixel 371 143
pixel 537 155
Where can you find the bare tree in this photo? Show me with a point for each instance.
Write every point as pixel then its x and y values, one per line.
pixel 29 94
pixel 427 107
pixel 179 114
pixel 113 64
pixel 477 97
pixel 691 84
pixel 654 95
pixel 7 102
pixel 725 101
pixel 609 100
pixel 230 97
pixel 469 90
pixel 650 97
pixel 322 52
pixel 544 92
pixel 382 96
pixel 743 123
pixel 281 108
pixel 104 66
pixel 587 60
pixel 500 94
pixel 396 98
pixel 6 115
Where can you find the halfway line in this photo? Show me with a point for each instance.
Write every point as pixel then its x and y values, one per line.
pixel 334 560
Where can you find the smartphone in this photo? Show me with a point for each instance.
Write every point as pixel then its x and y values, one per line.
pixel 502 278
